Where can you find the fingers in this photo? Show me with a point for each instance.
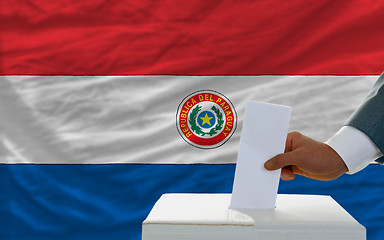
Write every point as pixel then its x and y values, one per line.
pixel 296 170
pixel 287 174
pixel 281 160
pixel 292 138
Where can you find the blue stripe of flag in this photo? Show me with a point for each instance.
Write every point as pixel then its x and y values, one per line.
pixel 101 202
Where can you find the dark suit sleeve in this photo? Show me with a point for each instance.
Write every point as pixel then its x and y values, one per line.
pixel 369 116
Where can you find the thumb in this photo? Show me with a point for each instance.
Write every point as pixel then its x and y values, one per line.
pixel 281 160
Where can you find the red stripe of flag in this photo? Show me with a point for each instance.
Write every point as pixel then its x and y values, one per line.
pixel 191 37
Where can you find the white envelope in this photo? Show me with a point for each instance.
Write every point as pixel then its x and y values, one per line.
pixel 263 136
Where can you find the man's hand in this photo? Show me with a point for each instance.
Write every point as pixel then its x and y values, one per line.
pixel 307 157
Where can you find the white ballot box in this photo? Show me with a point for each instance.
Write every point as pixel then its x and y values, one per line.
pixel 208 217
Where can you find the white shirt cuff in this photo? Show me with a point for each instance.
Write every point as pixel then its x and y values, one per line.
pixel 355 148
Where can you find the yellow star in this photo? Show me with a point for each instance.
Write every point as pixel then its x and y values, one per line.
pixel 206 119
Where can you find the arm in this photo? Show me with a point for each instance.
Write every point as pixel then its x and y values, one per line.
pixel 354 147
pixel 369 117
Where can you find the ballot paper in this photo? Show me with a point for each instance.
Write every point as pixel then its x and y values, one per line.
pixel 263 136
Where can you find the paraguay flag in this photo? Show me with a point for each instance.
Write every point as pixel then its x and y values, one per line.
pixel 92 95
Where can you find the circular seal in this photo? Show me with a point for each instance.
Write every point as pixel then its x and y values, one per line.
pixel 206 119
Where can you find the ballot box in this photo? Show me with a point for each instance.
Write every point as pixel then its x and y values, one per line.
pixel 208 217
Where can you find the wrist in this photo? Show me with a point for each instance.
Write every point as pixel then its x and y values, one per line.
pixel 354 147
pixel 338 163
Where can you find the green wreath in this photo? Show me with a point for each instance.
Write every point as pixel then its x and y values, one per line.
pixel 197 129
